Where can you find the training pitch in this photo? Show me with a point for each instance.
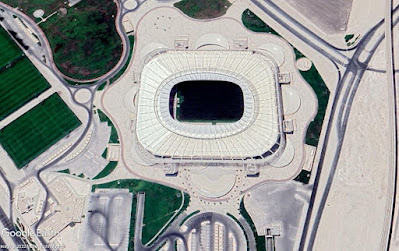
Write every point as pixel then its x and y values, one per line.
pixel 37 130
pixel 19 84
pixel 20 81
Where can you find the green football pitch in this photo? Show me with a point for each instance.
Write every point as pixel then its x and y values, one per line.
pixel 19 84
pixel 20 81
pixel 37 130
pixel 8 49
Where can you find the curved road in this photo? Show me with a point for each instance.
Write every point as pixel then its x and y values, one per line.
pixel 343 97
pixel 89 109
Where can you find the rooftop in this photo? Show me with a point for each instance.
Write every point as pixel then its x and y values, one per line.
pixel 258 130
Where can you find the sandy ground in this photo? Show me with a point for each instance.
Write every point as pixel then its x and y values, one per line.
pixel 357 208
pixel 331 16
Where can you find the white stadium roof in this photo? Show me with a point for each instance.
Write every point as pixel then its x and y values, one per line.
pixel 256 134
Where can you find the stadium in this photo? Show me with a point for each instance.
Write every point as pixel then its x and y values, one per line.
pixel 210 106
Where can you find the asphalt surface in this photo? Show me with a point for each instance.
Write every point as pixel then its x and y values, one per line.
pixel 390 74
pixel 5 221
pixel 107 224
pixel 343 97
pixel 138 226
pixel 338 121
pixel 174 233
pixel 301 32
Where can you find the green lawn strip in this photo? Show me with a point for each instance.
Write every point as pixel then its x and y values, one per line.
pixel 155 217
pixel 203 9
pixel 312 76
pixel 37 130
pixel 160 204
pixel 132 224
pixel 167 218
pixel 83 38
pixel 349 37
pixel 102 86
pixel 9 50
pixel 303 177
pixel 109 168
pixel 314 79
pixel 79 83
pixel 161 246
pixel 121 71
pixel 254 23
pixel 188 217
pixel 104 155
pixel 114 139
pixel 242 228
pixel 18 85
pixel 260 240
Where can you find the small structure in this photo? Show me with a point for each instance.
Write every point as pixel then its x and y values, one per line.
pixel 128 26
pixel 72 3
pixel 284 78
pixel 182 42
pixel 288 126
pixel 171 168
pixel 67 208
pixel 304 64
pixel 252 170
pixel 241 43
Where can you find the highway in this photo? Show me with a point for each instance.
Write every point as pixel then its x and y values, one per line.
pixel 301 32
pixel 336 124
pixel 355 67
pixel 393 98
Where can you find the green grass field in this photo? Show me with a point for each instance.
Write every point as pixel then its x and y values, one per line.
pixel 254 23
pixel 83 38
pixel 160 204
pixel 314 79
pixel 9 51
pixel 203 9
pixel 37 130
pixel 19 84
pixel 260 240
pixel 108 169
pixel 114 138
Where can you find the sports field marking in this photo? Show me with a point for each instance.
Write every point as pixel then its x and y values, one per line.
pixel 8 49
pixel 18 85
pixel 37 130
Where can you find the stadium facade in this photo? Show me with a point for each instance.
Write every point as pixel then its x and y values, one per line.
pixel 257 137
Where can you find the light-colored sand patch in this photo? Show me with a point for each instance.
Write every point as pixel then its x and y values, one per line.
pixel 130 4
pixel 38 13
pixel 356 213
pixel 329 16
pixel 212 181
pixel 83 96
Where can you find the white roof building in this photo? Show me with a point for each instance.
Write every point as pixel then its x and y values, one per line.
pixel 257 135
